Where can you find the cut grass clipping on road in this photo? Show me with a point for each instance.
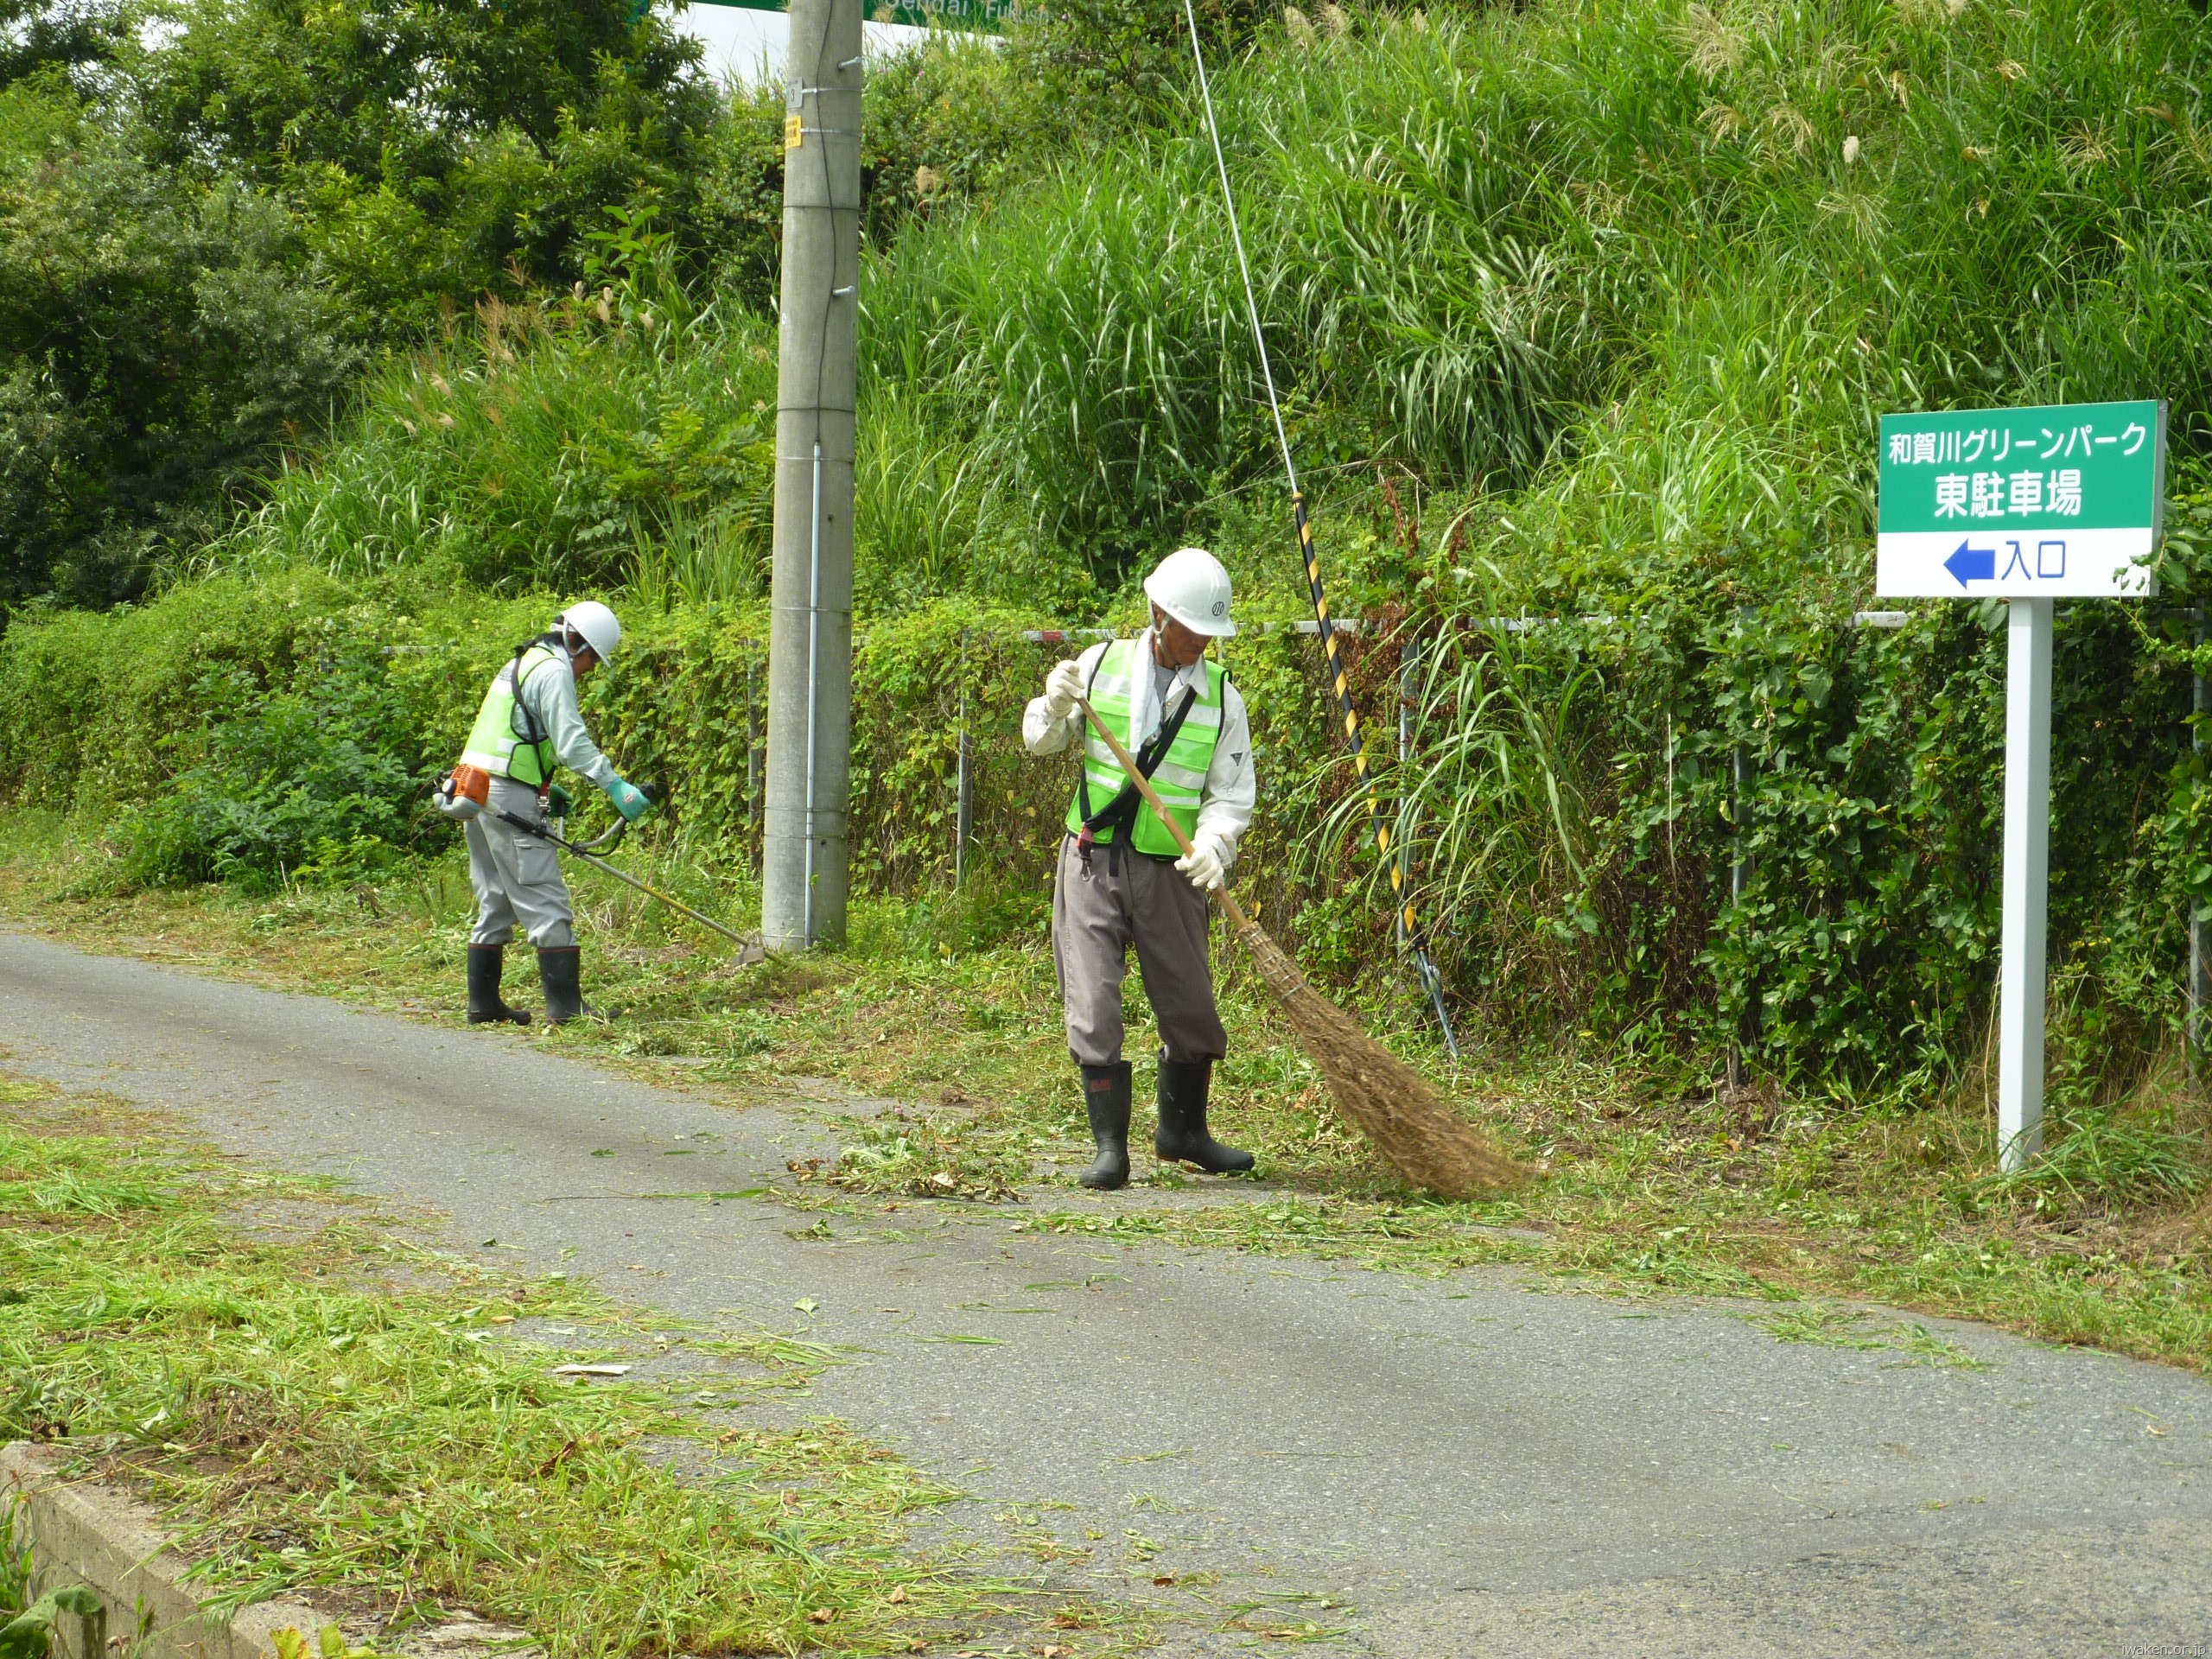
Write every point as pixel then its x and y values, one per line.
pixel 1653 1182
pixel 319 1402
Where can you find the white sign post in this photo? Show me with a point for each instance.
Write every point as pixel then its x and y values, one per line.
pixel 2021 977
pixel 2030 505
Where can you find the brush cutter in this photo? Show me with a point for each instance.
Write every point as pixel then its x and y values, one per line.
pixel 1424 1139
pixel 589 851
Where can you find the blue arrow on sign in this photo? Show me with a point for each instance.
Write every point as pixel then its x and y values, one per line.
pixel 1973 564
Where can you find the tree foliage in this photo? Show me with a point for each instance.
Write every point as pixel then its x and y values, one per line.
pixel 69 36
pixel 159 338
pixel 435 150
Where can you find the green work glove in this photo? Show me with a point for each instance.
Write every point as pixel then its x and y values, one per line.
pixel 559 803
pixel 629 800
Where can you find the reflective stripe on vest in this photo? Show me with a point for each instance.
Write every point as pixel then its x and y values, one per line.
pixel 1180 778
pixel 496 742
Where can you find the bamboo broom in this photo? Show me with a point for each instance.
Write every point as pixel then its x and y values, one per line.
pixel 1411 1126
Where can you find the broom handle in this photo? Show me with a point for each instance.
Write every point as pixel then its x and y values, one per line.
pixel 1237 919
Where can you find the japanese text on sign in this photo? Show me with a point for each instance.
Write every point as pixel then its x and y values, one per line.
pixel 2061 501
pixel 2015 490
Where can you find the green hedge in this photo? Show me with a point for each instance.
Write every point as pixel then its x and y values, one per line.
pixel 262 693
pixel 1571 794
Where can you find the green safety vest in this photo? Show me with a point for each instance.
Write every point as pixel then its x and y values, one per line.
pixel 496 742
pixel 1115 685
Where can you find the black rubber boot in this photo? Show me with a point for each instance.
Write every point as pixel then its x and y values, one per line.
pixel 560 967
pixel 485 1006
pixel 1183 1135
pixel 1106 1096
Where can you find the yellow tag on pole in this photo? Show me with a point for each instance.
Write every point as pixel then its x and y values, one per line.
pixel 791 130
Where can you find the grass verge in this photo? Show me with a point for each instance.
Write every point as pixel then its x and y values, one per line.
pixel 318 1402
pixel 948 1003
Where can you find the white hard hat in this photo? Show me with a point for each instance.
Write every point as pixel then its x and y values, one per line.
pixel 596 623
pixel 1190 586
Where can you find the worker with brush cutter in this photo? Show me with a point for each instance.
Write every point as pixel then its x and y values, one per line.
pixel 1121 881
pixel 502 792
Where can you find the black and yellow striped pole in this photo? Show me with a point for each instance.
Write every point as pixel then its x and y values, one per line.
pixel 1407 922
pixel 1406 925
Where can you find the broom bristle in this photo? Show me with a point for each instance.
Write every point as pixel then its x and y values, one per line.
pixel 1411 1126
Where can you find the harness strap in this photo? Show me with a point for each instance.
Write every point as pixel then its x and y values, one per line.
pixel 532 733
pixel 1119 816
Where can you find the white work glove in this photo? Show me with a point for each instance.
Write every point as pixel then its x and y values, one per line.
pixel 1204 863
pixel 1062 687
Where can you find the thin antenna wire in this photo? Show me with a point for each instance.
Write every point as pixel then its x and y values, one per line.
pixel 1236 236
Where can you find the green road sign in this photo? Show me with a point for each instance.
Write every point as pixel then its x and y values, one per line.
pixel 982 17
pixel 2057 503
pixel 2030 505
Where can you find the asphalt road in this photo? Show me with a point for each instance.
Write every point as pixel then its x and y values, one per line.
pixel 1466 1467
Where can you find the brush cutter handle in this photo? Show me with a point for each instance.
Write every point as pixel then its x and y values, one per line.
pixel 607 841
pixel 1237 919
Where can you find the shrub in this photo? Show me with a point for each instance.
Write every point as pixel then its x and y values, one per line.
pixel 158 343
pixel 324 783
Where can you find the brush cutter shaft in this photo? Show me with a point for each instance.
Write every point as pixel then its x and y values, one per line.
pixel 1237 919
pixel 620 874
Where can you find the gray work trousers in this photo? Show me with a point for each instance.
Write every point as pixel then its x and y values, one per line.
pixel 516 875
pixel 1125 899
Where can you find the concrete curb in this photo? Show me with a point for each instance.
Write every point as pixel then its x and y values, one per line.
pixel 84 1532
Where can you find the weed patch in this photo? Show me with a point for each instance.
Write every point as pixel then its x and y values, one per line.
pixel 340 1408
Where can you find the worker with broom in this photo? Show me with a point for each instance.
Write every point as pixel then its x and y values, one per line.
pixel 528 721
pixel 1120 880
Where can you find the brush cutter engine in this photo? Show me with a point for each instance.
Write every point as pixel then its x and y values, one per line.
pixel 463 794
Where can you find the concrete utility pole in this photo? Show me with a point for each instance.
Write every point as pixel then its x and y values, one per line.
pixel 810 636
